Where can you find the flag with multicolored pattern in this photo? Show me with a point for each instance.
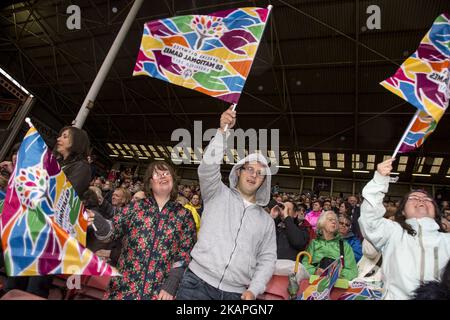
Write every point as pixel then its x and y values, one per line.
pixel 423 81
pixel 43 228
pixel 359 290
pixel 210 53
pixel 320 288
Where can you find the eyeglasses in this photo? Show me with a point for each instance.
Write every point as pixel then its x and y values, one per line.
pixel 161 175
pixel 251 171
pixel 345 224
pixel 417 199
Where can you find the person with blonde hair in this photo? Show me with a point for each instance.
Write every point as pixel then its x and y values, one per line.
pixel 329 246
pixel 121 197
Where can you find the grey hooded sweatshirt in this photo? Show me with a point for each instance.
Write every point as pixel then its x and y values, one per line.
pixel 236 248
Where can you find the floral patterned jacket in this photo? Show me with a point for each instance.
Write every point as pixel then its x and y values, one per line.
pixel 153 242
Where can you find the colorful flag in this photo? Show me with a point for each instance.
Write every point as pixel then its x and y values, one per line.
pixel 211 53
pixel 321 288
pixel 423 81
pixel 42 224
pixel 359 290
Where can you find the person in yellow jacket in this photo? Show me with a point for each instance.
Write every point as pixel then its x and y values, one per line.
pixel 195 207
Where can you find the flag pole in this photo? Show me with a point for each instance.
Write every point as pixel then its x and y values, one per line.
pixel 405 133
pixel 269 10
pixel 232 109
pixel 28 121
pixel 89 101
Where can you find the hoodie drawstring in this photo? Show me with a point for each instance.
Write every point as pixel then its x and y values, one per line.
pixel 436 263
pixel 422 258
pixel 422 255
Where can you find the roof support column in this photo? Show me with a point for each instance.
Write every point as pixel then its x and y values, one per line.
pixel 88 102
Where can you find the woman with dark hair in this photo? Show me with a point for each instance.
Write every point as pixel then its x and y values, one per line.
pixel 71 150
pixel 157 235
pixel 345 230
pixel 345 209
pixel 414 247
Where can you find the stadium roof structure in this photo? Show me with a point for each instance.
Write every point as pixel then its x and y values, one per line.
pixel 315 78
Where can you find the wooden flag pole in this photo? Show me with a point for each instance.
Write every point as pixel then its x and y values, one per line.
pixel 405 133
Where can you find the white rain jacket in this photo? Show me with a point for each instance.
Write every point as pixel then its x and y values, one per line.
pixel 407 260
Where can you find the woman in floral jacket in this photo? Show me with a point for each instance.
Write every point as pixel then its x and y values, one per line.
pixel 157 237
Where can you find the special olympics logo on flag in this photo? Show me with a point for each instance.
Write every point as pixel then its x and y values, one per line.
pixel 207 27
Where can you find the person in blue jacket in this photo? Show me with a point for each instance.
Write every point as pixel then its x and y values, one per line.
pixel 345 230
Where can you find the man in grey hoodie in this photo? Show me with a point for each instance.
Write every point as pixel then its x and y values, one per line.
pixel 235 254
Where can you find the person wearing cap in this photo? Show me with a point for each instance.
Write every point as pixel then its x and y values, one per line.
pixel 235 254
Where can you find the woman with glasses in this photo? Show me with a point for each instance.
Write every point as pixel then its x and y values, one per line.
pixel 329 246
pixel 414 247
pixel 157 237
pixel 345 230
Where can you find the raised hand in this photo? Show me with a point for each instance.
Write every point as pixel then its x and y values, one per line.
pixel 228 118
pixel 384 168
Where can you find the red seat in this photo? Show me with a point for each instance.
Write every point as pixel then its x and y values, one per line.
pixel 20 295
pixel 99 282
pixel 276 289
pixel 93 288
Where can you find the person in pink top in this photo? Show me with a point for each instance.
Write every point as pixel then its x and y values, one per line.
pixel 314 215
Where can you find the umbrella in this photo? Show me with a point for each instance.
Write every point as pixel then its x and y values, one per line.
pixel 293 284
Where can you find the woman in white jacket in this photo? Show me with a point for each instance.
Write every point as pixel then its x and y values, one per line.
pixel 414 247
